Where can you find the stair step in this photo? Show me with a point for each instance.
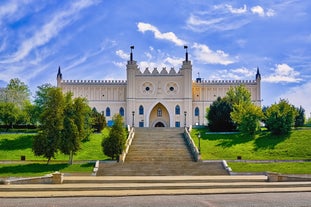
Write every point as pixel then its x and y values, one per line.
pixel 159 151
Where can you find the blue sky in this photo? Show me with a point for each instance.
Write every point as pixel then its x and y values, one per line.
pixel 91 39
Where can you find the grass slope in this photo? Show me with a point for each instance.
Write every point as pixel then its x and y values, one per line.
pixel 264 146
pixel 13 146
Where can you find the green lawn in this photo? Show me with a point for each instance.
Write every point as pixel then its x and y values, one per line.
pixel 284 168
pixel 263 146
pixel 13 146
pixel 39 169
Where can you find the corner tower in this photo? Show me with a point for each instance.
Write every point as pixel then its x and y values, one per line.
pixel 186 71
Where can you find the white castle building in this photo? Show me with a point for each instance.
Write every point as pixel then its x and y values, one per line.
pixel 165 98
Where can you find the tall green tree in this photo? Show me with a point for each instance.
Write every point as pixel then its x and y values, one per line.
pixel 15 93
pixel 218 116
pixel 247 116
pixel 280 117
pixel 300 117
pixel 99 121
pixel 47 142
pixel 8 114
pixel 237 95
pixel 114 144
pixel 40 100
pixel 70 142
pixel 77 125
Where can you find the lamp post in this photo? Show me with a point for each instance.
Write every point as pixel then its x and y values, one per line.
pixel 133 114
pixel 199 137
pixel 185 113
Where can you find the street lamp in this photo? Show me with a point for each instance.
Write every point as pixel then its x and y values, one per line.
pixel 185 113
pixel 133 114
pixel 199 137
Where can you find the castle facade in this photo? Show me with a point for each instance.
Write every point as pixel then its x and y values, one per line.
pixel 153 98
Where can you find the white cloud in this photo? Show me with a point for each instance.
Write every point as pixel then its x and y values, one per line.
pixel 174 61
pixel 283 73
pixel 234 74
pixel 205 55
pixel 236 10
pixel 258 10
pixel 121 65
pixel 8 9
pixel 49 30
pixel 206 22
pixel 261 12
pixel 170 36
pixel 299 96
pixel 122 55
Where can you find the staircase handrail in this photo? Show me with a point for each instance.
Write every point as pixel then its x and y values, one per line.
pixel 127 144
pixel 193 149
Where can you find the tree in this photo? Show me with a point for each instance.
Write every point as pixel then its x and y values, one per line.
pixel 238 95
pixel 99 120
pixel 77 125
pixel 17 92
pixel 70 142
pixel 82 118
pixel 114 144
pixel 300 117
pixel 41 98
pixel 247 116
pixel 46 143
pixel 218 116
pixel 15 98
pixel 8 114
pixel 280 117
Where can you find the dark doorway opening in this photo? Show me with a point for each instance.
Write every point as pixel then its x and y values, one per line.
pixel 159 124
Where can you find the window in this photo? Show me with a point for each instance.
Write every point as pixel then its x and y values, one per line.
pixel 121 111
pixel 196 111
pixel 177 124
pixel 107 111
pixel 159 112
pixel 177 110
pixel 141 110
pixel 141 124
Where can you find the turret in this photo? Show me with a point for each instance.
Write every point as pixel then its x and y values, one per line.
pixel 131 70
pixel 59 77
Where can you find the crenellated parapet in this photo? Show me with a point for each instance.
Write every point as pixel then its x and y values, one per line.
pixel 94 82
pixel 156 72
pixel 225 82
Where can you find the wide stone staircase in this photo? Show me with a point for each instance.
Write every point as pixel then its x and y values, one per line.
pixel 94 186
pixel 160 151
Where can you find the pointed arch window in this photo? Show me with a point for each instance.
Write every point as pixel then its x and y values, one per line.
pixel 177 110
pixel 196 111
pixel 141 110
pixel 159 112
pixel 121 111
pixel 107 111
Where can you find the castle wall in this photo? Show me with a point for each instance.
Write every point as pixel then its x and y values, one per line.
pixel 153 90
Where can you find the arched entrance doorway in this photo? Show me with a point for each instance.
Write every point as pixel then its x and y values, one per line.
pixel 159 116
pixel 159 124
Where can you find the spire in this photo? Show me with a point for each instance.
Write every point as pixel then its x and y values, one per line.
pixel 258 76
pixel 59 74
pixel 131 56
pixel 186 48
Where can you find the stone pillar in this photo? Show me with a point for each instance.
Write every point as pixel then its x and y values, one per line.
pixel 57 178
